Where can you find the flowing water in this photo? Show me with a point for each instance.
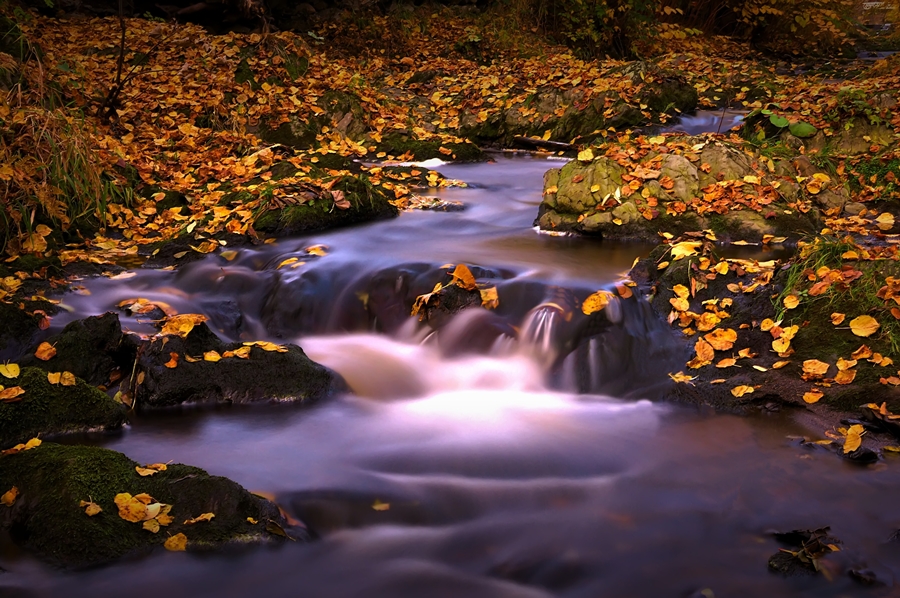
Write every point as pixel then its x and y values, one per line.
pixel 509 455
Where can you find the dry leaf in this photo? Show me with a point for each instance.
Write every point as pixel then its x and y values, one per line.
pixel 791 301
pixel 9 370
pixel 814 367
pixel 67 379
pixel 9 497
pixel 199 518
pixel 837 318
pixel 739 391
pixel 845 376
pixel 182 324
pixel 90 507
pixel 813 396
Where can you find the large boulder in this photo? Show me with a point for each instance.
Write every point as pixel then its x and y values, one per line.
pixel 53 488
pixel 46 409
pixel 201 368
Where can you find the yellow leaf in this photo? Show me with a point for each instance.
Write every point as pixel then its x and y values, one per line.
pixel 54 377
pixel 145 471
pixel 682 377
pixel 489 298
pixel 182 324
pixel 739 391
pixel 781 346
pixel 864 352
pixel 684 249
pixel 9 497
pixel 319 250
pixel 766 325
pixel 212 356
pixel 845 364
pixel 726 363
pixel 813 396
pixel 199 518
pixel 753 180
pixel 791 301
pixel 463 277
pixel 814 367
pixel 837 318
pixel 130 507
pixel 45 351
pixel 779 364
pixel 242 352
pixel 9 370
pixel 596 302
pixel 864 325
pixel 67 379
pixel 90 507
pixel 33 443
pixel 721 339
pixel 845 376
pixel 151 525
pixel 854 438
pixel 252 521
pixel 381 506
pixel 176 543
pixel 885 221
pixel 586 155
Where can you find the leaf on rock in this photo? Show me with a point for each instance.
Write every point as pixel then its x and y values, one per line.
pixel 837 318
pixel 12 394
pixel 176 543
pixel 9 497
pixel 814 367
pixel 173 361
pixel 90 507
pixel 182 324
pixel 596 302
pixel 813 396
pixel 791 301
pixel 489 298
pixel 67 379
pixel 585 155
pixel 212 356
pixel 199 518
pixel 854 438
pixel 9 370
pixel 864 326
pixel 739 391
pixel 845 376
pixel 463 277
pixel 45 351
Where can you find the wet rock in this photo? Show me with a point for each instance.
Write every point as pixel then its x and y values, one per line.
pixel 17 332
pixel 359 202
pixel 852 137
pixel 92 349
pixel 261 376
pixel 404 145
pixel 52 480
pixel 806 548
pixel 50 409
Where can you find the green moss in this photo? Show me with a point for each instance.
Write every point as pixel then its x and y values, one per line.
pixel 53 479
pixel 399 145
pixel 244 74
pixel 886 173
pixel 55 409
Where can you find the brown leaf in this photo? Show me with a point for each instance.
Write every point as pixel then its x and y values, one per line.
pixel 45 351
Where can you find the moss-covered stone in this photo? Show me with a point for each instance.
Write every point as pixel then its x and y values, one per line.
pixel 17 330
pixel 91 348
pixel 52 480
pixel 367 203
pixel 50 409
pixel 403 145
pixel 262 376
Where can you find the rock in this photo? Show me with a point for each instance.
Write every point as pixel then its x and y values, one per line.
pixel 18 331
pixel 853 137
pixel 50 409
pixel 52 480
pixel 262 376
pixel 366 203
pixel 403 145
pixel 91 349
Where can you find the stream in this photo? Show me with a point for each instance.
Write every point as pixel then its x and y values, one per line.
pixel 471 462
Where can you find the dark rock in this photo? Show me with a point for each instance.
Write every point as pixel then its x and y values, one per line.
pixel 91 349
pixel 17 331
pixel 50 409
pixel 263 376
pixel 52 480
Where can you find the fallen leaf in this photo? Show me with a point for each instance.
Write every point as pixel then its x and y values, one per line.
pixel 176 543
pixel 779 364
pixel 596 302
pixel 90 507
pixel 791 301
pixel 9 370
pixel 681 377
pixel 864 352
pixel 381 506
pixel 854 438
pixel 182 324
pixel 11 394
pixel 837 318
pixel 463 277
pixel 845 376
pixel 199 518
pixel 721 339
pixel 585 155
pixel 739 391
pixel 864 326
pixel 813 396
pixel 726 363
pixel 489 298
pixel 67 379
pixel 9 497
pixel 45 351
pixel 814 367
pixel 212 356
pixel 54 377
pixel 173 361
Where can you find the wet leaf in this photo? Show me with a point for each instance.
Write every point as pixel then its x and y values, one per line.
pixel 845 376
pixel 780 364
pixel 212 356
pixel 814 367
pixel 380 506
pixel 854 438
pixel 199 518
pixel 739 391
pixel 489 298
pixel 274 528
pixel 319 250
pixel 12 394
pixel 9 497
pixel 791 301
pixel 252 521
pixel 721 339
pixel 151 525
pixel 176 543
pixel 864 326
pixel 9 370
pixel 596 302
pixel 586 155
pixel 726 363
pixel 864 352
pixel 173 361
pixel 54 377
pixel 845 364
pixel 45 351
pixel 67 379
pixel 463 277
pixel 684 249
pixel 130 507
pixel 837 318
pixel 813 396
pixel 682 378
pixel 182 324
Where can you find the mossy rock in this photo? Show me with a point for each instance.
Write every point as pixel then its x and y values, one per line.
pixel 401 145
pixel 91 348
pixel 367 203
pixel 262 376
pixel 52 480
pixel 17 331
pixel 51 409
